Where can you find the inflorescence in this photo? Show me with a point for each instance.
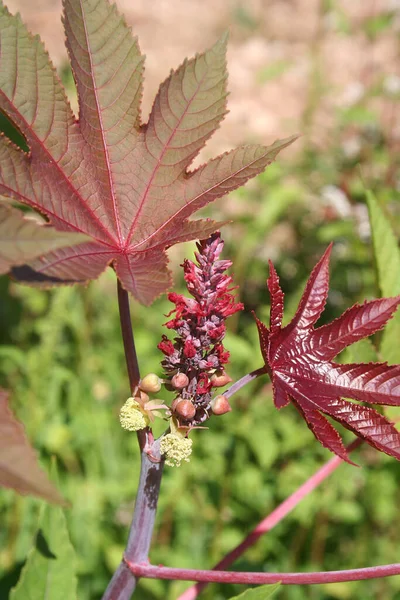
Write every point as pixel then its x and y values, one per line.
pixel 194 361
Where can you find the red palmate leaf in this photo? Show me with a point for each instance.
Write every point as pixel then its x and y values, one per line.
pixel 298 358
pixel 124 184
pixel 22 238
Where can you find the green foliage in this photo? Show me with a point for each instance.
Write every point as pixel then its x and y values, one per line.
pixel 387 257
pixel 259 593
pixel 49 571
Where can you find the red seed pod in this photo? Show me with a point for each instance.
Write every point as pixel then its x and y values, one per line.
pixel 220 378
pixel 175 403
pixel 179 381
pixel 220 405
pixel 184 409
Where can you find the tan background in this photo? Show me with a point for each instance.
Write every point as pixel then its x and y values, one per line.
pixel 317 66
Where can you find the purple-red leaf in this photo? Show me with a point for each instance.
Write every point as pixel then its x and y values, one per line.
pixel 19 467
pixel 23 239
pixel 299 357
pixel 125 184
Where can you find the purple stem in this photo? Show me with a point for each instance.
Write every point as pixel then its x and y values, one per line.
pixel 244 381
pixel 128 339
pixel 123 582
pixel 274 517
pixel 156 572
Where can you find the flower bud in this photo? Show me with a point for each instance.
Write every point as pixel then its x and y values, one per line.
pixel 220 378
pixel 179 381
pixel 220 405
pixel 184 409
pixel 150 383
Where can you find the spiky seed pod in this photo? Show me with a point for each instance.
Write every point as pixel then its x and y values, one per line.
pixel 220 405
pixel 151 383
pixel 179 381
pixel 220 378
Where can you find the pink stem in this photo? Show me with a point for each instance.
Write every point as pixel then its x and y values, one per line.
pixel 273 518
pixel 244 381
pixel 159 572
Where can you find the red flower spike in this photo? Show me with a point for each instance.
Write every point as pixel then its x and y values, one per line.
pixel 197 353
pixel 298 359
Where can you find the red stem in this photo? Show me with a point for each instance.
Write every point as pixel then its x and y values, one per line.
pixel 128 339
pixel 244 381
pixel 159 572
pixel 273 518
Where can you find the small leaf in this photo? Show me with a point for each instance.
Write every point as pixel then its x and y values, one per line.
pixel 19 467
pixel 50 570
pixel 22 238
pixel 298 359
pixel 387 257
pixel 258 593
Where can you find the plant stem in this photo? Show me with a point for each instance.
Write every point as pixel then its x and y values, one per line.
pixel 244 381
pixel 250 578
pixel 123 582
pixel 128 339
pixel 274 517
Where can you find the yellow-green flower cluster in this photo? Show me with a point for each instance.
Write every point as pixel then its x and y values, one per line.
pixel 176 449
pixel 131 416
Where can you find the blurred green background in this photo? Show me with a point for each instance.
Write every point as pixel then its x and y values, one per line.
pixel 61 355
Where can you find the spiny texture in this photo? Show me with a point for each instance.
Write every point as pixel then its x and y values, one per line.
pixel 298 358
pixel 124 184
pixel 199 322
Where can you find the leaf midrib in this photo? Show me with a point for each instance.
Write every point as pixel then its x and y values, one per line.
pixel 158 164
pixel 65 177
pixel 102 131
